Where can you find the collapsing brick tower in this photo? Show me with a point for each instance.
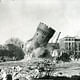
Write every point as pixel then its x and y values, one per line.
pixel 41 37
pixel 43 34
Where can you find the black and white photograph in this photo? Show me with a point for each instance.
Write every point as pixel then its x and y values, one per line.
pixel 39 39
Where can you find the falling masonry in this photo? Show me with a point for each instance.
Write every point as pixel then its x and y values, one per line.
pixel 38 44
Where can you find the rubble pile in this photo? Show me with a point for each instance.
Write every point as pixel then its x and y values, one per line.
pixel 32 69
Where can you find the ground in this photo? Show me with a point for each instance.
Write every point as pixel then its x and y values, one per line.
pixel 62 69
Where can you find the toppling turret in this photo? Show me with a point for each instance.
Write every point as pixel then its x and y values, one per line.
pixel 41 37
pixel 43 34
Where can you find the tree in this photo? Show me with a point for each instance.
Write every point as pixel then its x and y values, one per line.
pixel 15 41
pixel 15 51
pixel 12 50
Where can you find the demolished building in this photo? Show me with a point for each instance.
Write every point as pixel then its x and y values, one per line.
pixel 40 40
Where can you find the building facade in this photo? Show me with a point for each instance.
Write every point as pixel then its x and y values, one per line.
pixel 77 46
pixel 70 44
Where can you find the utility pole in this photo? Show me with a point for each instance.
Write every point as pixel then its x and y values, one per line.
pixel 58 37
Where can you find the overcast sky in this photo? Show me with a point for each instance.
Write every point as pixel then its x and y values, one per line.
pixel 20 18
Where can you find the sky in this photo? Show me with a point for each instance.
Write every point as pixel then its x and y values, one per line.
pixel 20 18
